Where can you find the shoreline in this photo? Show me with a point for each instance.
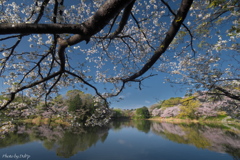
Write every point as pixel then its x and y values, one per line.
pixel 178 120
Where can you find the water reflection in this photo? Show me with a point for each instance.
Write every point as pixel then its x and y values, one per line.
pixel 63 140
pixel 219 138
pixel 68 141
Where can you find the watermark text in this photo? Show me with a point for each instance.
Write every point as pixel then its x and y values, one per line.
pixel 16 156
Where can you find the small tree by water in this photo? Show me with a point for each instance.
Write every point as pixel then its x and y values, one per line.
pixel 75 103
pixel 142 113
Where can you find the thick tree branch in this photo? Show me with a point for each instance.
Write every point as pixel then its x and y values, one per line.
pixel 190 33
pixel 25 28
pixel 213 86
pixel 176 24
pixel 123 22
pixel 88 28
pixel 92 26
pixel 226 93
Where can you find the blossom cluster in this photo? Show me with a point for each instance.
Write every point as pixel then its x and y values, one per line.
pixel 5 128
pixel 101 117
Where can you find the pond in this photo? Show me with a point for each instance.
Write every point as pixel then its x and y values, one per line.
pixel 126 140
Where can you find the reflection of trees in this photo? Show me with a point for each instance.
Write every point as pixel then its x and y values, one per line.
pixel 66 141
pixel 235 152
pixel 48 144
pixel 13 139
pixel 143 126
pixel 71 143
pixel 195 137
pixel 68 145
pixel 118 125
pixel 181 134
pixel 216 139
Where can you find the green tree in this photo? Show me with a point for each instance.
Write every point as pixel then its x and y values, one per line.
pixel 75 103
pixel 188 107
pixel 142 113
pixel 72 93
pixel 117 113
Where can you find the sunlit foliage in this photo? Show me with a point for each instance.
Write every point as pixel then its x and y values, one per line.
pixel 188 107
pixel 171 102
pixel 142 113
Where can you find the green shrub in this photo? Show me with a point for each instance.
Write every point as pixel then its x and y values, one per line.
pixel 142 113
pixel 188 107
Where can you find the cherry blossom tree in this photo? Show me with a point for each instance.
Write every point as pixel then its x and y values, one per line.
pixel 43 43
pixel 214 66
pixel 50 44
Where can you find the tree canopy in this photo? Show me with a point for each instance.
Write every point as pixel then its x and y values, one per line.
pixel 142 113
pixel 43 44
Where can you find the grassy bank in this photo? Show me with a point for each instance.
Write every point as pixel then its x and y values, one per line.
pixel 215 120
pixel 173 120
pixel 39 120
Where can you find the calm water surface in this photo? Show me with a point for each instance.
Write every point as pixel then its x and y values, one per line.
pixel 129 140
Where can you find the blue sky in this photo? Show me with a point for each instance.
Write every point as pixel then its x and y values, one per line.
pixel 153 90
